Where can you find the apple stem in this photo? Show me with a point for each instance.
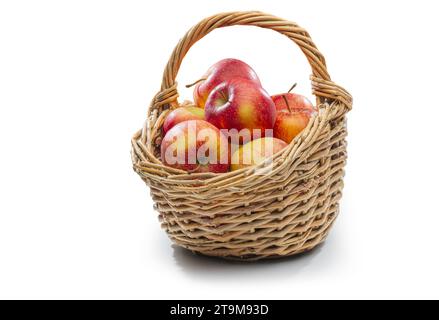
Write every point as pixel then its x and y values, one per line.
pixel 292 88
pixel 196 82
pixel 224 96
pixel 286 101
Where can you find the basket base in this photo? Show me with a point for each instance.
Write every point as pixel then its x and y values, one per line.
pixel 252 254
pixel 254 258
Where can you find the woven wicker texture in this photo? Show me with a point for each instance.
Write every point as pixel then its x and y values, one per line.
pixel 281 207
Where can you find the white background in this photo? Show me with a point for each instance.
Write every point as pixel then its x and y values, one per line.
pixel 75 81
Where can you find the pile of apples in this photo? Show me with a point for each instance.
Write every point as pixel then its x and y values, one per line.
pixel 228 99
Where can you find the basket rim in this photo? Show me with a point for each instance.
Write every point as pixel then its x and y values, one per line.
pixel 204 181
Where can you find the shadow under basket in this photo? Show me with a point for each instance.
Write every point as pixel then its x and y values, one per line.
pixel 278 208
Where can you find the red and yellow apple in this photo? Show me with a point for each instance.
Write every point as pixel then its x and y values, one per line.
pixel 221 71
pixel 182 114
pixel 293 114
pixel 255 152
pixel 195 146
pixel 241 104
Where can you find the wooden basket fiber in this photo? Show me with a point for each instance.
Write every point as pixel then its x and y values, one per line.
pixel 251 213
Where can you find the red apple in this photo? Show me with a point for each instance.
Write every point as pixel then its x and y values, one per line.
pixel 195 146
pixel 293 114
pixel 182 114
pixel 241 104
pixel 256 151
pixel 221 71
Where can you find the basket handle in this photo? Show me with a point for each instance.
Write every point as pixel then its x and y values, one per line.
pixel 323 87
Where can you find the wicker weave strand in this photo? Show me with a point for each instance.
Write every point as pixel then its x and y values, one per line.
pixel 251 213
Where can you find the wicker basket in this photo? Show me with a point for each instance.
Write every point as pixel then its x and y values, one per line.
pixel 244 214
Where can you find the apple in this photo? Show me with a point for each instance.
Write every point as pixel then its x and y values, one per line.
pixel 256 151
pixel 182 114
pixel 195 146
pixel 293 114
pixel 241 104
pixel 221 71
pixel 290 123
